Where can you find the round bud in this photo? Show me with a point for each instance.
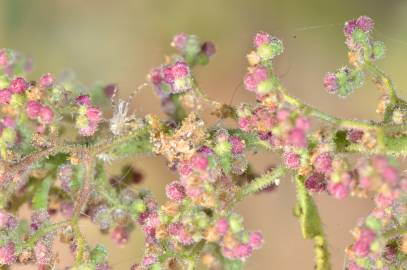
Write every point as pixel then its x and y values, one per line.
pixel 139 206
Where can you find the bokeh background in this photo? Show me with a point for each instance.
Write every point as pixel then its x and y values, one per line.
pixel 120 41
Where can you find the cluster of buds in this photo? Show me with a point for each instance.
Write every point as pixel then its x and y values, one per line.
pixel 192 49
pixel 266 48
pixel 375 247
pixel 13 234
pixel 362 49
pixel 344 81
pixel 172 79
pixel 88 116
pixel 260 78
pixel 359 41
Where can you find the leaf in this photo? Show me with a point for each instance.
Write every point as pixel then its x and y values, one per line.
pixel 40 198
pixel 308 215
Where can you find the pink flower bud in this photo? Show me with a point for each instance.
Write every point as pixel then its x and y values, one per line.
pixel 149 260
pixel 323 163
pixel 254 78
pixel 296 137
pixel 208 48
pixel 9 122
pixel 120 235
pixel 8 254
pixel 354 135
pixel 33 109
pixel 168 74
pixel 89 130
pixel 222 226
pixel 261 38
pixel 283 114
pixel 179 41
pixel 46 81
pixel 316 183
pixel 362 245
pixel 18 85
pixel 242 251
pixel 175 191
pixel 349 27
pixel 184 169
pixel 390 175
pixel 83 100
pixel 365 23
pixel 245 123
pixel 42 253
pixel 180 70
pixel 256 240
pixel 46 115
pixel 155 76
pixel 338 190
pixel 238 145
pixel 199 162
pixel 5 96
pixel 330 82
pixel 303 123
pixel 93 114
pixel 292 160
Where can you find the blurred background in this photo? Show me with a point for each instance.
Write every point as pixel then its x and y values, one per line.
pixel 120 41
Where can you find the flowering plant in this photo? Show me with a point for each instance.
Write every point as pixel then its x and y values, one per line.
pixel 55 144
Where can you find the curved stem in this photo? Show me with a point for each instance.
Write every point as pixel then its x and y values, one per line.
pixel 311 225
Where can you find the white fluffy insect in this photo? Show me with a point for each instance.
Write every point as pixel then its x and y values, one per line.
pixel 119 119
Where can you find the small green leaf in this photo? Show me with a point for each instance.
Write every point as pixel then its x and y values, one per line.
pixel 40 198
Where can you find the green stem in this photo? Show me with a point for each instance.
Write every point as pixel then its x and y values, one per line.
pixel 261 183
pixel 384 79
pixel 395 232
pixel 311 225
pixel 43 231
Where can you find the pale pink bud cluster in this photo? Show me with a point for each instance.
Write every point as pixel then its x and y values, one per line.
pixel 171 79
pixel 88 117
pixel 37 111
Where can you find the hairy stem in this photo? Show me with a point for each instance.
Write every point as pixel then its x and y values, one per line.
pixel 311 225
pixel 261 182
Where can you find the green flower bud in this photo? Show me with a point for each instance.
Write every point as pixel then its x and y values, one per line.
pixel 265 87
pixel 82 121
pixel 236 223
pixel 373 223
pixel 223 148
pixel 379 50
pixel 268 51
pixel 98 254
pixel 8 136
pixel 360 37
pixel 17 101
pixel 139 206
pixel 156 266
pixel 82 110
pixel 375 246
